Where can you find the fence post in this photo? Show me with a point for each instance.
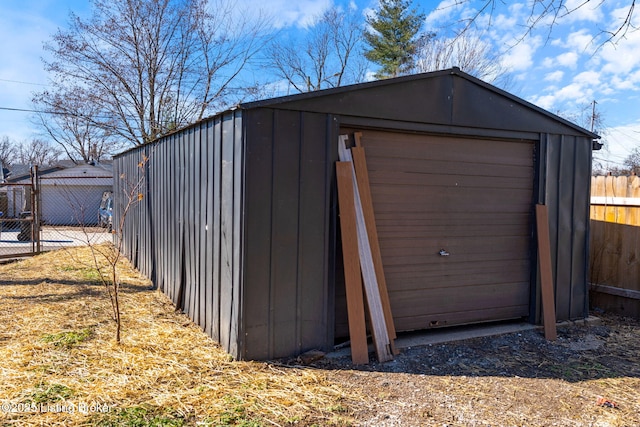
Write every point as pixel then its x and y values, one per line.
pixel 35 207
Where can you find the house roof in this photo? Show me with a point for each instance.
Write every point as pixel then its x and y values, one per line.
pixel 23 172
pixel 82 174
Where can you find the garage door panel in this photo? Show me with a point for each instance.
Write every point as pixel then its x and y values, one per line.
pixel 438 217
pixel 465 317
pixel 393 232
pixel 430 274
pixel 468 298
pixel 451 199
pixel 432 167
pixel 471 197
pixel 401 207
pixel 513 245
pixel 475 151
pixel 456 280
pixel 391 178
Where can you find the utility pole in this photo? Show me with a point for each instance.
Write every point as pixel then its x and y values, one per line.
pixel 593 115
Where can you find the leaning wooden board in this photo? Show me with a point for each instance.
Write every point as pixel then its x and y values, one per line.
pixel 362 176
pixel 546 275
pixel 353 278
pixel 374 303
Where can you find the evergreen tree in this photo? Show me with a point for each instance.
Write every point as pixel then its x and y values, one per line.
pixel 394 37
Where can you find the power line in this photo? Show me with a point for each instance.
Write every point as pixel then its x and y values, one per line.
pixel 23 83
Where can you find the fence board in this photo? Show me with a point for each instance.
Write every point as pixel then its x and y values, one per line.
pixel 616 199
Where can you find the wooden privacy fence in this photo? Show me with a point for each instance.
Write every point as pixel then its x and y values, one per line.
pixel 616 199
pixel 615 244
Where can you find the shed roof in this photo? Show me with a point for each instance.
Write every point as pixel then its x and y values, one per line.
pixel 446 97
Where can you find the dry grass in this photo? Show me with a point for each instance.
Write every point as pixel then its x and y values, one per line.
pixel 58 349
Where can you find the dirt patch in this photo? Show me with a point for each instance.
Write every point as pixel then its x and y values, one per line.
pixel 516 379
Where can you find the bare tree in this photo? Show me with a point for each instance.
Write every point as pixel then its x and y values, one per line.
pixel 327 57
pixel 152 65
pixel 37 152
pixel 70 119
pixel 547 14
pixel 7 151
pixel 632 161
pixel 468 51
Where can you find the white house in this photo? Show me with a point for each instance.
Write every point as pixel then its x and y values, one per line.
pixel 72 196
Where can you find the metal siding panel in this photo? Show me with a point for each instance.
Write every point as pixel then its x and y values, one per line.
pixel 566 190
pixel 187 225
pixel 207 256
pixel 180 208
pixel 162 186
pixel 192 266
pixel 202 181
pixel 284 241
pixel 216 193
pixel 238 192
pixel 564 229
pixel 226 234
pixel 552 201
pixel 257 256
pixel 581 206
pixel 313 233
pixel 193 226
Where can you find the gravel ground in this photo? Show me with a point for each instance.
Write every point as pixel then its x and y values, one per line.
pixel 589 376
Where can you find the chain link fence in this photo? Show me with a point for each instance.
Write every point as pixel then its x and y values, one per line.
pixel 41 212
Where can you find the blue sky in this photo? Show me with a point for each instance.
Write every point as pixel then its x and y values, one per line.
pixel 563 70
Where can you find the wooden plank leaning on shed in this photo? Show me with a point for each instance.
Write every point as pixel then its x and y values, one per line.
pixel 374 303
pixel 353 279
pixel 362 176
pixel 546 276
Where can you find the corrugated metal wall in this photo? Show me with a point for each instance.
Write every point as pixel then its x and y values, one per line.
pixel 288 300
pixel 564 181
pixel 185 233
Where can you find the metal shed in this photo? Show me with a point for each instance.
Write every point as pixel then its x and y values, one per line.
pixel 239 223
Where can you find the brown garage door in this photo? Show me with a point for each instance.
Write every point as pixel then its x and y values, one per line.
pixel 471 199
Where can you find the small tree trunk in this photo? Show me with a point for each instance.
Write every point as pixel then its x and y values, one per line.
pixel 116 302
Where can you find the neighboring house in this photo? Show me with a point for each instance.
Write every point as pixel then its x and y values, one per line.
pixel 17 196
pixel 70 196
pixel 239 223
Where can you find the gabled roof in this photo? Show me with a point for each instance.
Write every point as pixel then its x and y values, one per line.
pixel 447 97
pixel 23 172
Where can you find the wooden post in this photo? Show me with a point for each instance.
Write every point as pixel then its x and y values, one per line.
pixel 546 273
pixel 353 279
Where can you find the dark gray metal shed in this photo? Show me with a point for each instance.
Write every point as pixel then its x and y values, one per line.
pixel 239 222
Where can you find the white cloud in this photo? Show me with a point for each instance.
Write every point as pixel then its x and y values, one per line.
pixel 581 10
pixel 581 40
pixel 443 13
pixel 520 56
pixel 545 101
pixel 580 91
pixel 622 57
pixel 286 13
pixel 554 76
pixel 567 59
